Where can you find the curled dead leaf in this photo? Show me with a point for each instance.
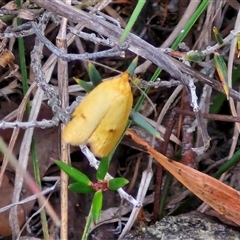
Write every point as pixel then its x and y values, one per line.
pixel 6 58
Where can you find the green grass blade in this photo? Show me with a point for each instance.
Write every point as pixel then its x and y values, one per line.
pixel 201 8
pixel 225 167
pixel 132 20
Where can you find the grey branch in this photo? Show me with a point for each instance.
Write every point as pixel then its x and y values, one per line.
pixel 39 124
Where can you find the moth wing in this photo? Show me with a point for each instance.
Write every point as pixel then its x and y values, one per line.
pixel 88 115
pixel 108 132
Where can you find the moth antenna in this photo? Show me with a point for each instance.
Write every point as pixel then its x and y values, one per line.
pixel 105 66
pixel 146 96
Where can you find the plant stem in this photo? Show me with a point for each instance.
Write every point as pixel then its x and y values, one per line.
pixel 33 146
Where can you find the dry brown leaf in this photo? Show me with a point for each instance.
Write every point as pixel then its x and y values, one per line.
pixel 6 58
pixel 11 6
pixel 211 212
pixel 216 194
pixel 27 15
pixel 6 192
pixel 46 141
pixel 3 26
pixel 9 88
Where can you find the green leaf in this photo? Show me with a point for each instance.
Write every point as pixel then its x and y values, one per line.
pixel 220 97
pixel 194 56
pixel 73 173
pixel 81 188
pixel 97 205
pixel 87 86
pixel 221 68
pixel 132 66
pixel 103 168
pixel 238 43
pixel 140 121
pixel 217 36
pixel 94 75
pixel 116 183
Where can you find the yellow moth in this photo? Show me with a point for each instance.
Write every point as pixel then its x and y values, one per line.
pixel 101 117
